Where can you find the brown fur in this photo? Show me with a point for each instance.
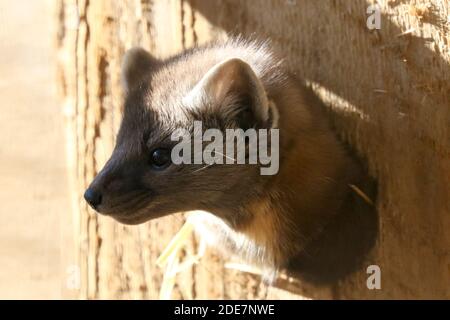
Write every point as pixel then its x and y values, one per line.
pixel 266 220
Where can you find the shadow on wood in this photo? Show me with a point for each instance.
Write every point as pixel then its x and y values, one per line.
pixel 397 81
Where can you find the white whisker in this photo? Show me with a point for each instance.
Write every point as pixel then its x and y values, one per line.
pixel 225 156
pixel 203 168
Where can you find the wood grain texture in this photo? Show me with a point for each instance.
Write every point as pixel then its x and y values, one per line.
pixel 388 93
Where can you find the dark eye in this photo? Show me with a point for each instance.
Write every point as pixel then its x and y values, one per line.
pixel 160 158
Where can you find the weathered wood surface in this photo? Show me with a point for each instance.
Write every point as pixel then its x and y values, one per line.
pixel 388 91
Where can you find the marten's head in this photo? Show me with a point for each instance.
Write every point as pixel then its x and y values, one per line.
pixel 141 180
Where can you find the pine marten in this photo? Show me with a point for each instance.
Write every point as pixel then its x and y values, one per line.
pixel 307 218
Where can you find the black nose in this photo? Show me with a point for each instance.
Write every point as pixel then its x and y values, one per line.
pixel 93 197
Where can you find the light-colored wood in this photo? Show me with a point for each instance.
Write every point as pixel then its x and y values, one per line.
pixel 388 92
pixel 36 231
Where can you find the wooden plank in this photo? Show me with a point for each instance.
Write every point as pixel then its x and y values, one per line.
pixel 388 94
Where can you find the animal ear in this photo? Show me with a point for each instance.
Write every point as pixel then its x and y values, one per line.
pixel 233 86
pixel 136 64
